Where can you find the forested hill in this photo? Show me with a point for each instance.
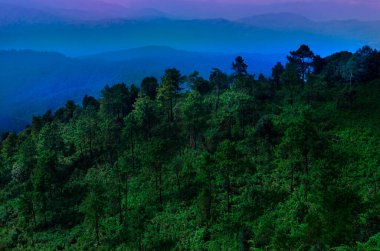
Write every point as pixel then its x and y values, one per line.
pixel 33 82
pixel 235 162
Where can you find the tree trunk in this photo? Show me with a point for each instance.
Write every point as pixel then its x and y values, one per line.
pixel 292 180
pixel 126 192
pixel 228 202
pixel 132 151
pixel 34 215
pixel 44 206
pixel 177 176
pixel 120 203
pixel 171 111
pixel 160 186
pixel 228 190
pixel 306 174
pixel 97 230
pixel 217 102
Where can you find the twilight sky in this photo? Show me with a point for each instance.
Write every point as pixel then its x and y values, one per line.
pixel 314 9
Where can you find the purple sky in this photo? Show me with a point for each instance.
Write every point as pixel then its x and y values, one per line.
pixel 314 9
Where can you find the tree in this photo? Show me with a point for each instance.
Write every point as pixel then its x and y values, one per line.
pixel 44 175
pixel 193 116
pixel 206 173
pixel 291 82
pixel 350 71
pixel 219 82
pixel 69 110
pixel 169 89
pixel 334 66
pixel 318 64
pixel 198 83
pixel 124 169
pixel 84 132
pixel 134 93
pixel 299 146
pixel 236 113
pixel 25 163
pixel 41 188
pixel 303 60
pixel 240 67
pixel 373 64
pixel 144 116
pixel 94 204
pixel 9 149
pixel 110 137
pixel 226 157
pixel 277 71
pixel 89 101
pixel 242 81
pixel 149 87
pixel 365 63
pixel 155 154
pixel 116 101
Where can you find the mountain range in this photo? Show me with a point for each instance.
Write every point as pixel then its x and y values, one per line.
pixel 37 12
pixel 49 55
pixel 76 34
pixel 201 9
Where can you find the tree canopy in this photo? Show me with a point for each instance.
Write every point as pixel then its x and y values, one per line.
pixel 282 162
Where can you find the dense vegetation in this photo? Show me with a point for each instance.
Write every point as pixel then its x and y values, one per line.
pixel 230 163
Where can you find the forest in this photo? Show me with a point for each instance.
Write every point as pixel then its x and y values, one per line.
pixel 229 162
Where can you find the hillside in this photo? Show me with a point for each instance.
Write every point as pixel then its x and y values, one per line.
pixel 233 162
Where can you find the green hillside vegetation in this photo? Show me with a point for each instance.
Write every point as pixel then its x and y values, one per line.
pixel 233 162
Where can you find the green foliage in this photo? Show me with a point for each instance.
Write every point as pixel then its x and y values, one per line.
pixel 237 163
pixel 149 87
pixel 169 89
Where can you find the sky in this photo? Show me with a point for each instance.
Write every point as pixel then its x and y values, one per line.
pixel 230 9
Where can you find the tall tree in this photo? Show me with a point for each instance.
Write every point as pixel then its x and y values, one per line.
pixel 193 116
pixel 89 101
pixel 84 132
pixel 318 64
pixel 144 116
pixel 227 161
pixel 94 204
pixel 219 82
pixel 240 67
pixel 169 89
pixel 303 60
pixel 199 84
pixel 149 87
pixel 291 81
pixel 69 110
pixel 115 101
pixel 277 71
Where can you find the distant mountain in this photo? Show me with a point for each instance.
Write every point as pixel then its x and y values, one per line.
pixel 365 31
pixel 11 15
pixel 45 12
pixel 32 82
pixel 322 10
pixel 154 52
pixel 104 11
pixel 215 35
pixel 282 21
